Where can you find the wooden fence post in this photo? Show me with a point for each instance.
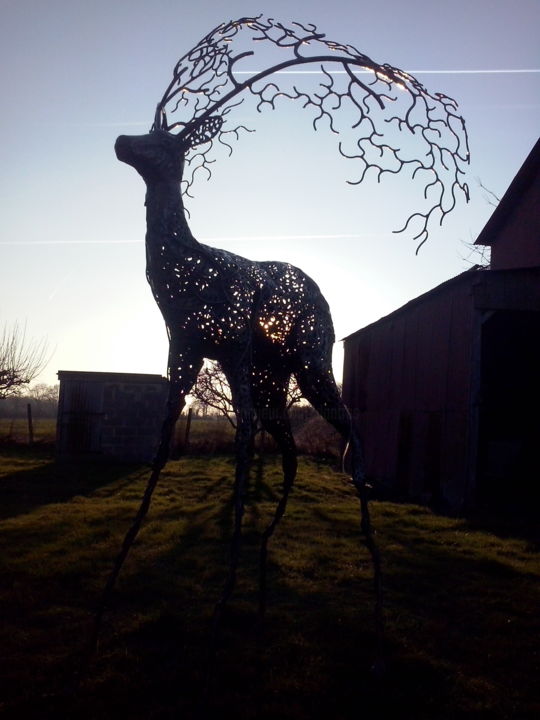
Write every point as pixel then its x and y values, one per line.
pixel 30 424
pixel 188 427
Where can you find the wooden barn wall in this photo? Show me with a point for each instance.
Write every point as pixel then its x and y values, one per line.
pixel 407 383
pixel 508 290
pixel 517 245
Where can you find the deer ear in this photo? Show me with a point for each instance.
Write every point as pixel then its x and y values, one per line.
pixel 204 132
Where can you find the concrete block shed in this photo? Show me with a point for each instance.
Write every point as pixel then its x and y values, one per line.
pixel 110 415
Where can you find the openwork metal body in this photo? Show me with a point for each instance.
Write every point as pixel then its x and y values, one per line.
pixel 266 321
pixel 262 321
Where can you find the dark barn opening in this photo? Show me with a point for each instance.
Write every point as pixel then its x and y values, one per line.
pixel 509 419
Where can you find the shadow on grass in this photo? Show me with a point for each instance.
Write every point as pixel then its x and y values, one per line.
pixel 45 481
pixel 461 616
pixel 511 516
pixel 158 675
pixel 521 522
pixel 310 660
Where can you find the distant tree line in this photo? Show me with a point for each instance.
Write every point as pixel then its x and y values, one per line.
pixel 212 399
pixel 212 395
pixel 43 398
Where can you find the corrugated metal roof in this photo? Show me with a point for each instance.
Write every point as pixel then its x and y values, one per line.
pixel 108 376
pixel 462 277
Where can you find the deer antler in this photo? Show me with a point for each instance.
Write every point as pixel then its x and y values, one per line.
pixel 396 122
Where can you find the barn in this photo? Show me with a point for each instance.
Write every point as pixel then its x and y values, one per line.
pixel 445 390
pixel 110 415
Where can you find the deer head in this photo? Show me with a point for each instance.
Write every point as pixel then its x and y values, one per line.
pixel 159 155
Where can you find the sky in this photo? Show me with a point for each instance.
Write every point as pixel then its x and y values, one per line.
pixel 78 73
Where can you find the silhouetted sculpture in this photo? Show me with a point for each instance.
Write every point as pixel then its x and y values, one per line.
pixel 263 321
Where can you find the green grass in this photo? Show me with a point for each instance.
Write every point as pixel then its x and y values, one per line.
pixel 17 430
pixel 207 435
pixel 461 603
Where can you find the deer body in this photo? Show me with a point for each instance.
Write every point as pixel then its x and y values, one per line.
pixel 262 321
pixel 222 302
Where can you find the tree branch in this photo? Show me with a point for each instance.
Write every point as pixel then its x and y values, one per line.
pixel 20 360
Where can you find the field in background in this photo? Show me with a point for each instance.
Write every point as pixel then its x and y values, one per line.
pixel 461 602
pixel 16 431
pixel 207 435
pixel 215 434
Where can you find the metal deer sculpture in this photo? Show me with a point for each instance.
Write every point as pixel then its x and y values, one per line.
pixel 266 321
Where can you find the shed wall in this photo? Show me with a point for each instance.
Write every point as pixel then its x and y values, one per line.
pixel 115 415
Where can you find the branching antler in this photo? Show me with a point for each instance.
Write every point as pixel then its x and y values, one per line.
pixel 397 124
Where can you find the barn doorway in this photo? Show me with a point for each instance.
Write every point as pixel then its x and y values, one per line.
pixel 509 418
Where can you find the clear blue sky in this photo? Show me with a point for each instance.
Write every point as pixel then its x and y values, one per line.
pixel 75 74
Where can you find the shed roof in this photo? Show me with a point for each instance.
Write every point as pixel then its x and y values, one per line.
pixel 470 277
pixel 91 376
pixel 463 277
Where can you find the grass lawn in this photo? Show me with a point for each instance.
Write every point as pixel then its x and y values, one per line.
pixel 461 603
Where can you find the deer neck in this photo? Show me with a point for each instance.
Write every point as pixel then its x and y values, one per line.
pixel 166 224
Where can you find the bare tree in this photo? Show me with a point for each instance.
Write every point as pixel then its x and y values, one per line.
pixel 21 360
pixel 212 391
pixel 44 392
pixel 44 399
pixel 489 196
pixel 479 256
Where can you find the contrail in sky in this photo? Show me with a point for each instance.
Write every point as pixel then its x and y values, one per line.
pixel 501 71
pixel 487 71
pixel 241 238
pixel 35 243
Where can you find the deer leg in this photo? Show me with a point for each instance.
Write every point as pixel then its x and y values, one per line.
pixel 270 394
pixel 240 384
pixel 184 366
pixel 319 388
